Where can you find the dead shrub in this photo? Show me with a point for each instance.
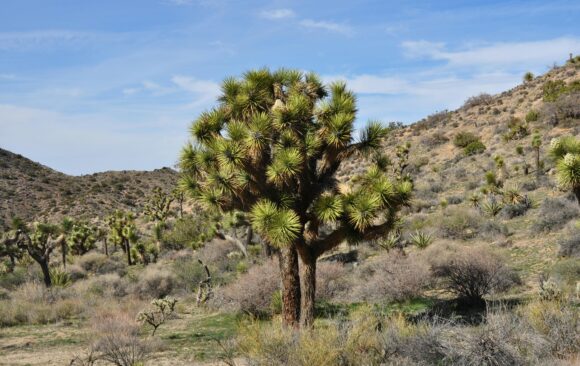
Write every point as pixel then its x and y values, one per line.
pixel 473 273
pixel 117 339
pixel 252 292
pixel 391 277
pixel 155 282
pixel 554 214
pixel 99 263
pixel 331 281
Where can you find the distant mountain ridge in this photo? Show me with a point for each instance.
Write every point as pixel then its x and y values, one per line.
pixel 32 191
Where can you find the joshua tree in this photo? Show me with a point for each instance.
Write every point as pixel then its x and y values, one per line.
pixel 179 195
pixel 536 144
pixel 159 205
pixel 271 149
pixel 9 248
pixel 122 231
pixel 566 152
pixel 82 238
pixel 39 244
pixel 160 311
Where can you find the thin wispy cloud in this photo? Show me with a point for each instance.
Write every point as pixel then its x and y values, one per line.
pixel 204 91
pixel 276 14
pixel 16 40
pixel 497 54
pixel 327 26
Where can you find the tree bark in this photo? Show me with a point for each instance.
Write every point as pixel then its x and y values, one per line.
pixel 308 276
pixel 576 191
pixel 63 250
pixel 288 260
pixel 128 250
pixel 45 273
pixel 538 171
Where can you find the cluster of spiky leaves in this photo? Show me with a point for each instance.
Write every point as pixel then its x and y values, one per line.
pixel 158 206
pixel 81 238
pixel 566 151
pixel 271 147
pixel 121 227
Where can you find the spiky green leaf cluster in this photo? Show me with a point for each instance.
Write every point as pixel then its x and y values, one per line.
pixel 271 148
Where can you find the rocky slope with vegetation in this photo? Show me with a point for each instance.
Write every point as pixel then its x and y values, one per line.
pixel 32 191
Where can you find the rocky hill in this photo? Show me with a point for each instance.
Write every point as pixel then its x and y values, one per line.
pixel 33 191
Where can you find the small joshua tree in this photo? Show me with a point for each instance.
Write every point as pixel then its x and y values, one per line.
pixel 158 207
pixel 122 231
pixel 82 238
pixel 158 313
pixel 566 152
pixel 39 244
pixel 528 76
pixel 520 152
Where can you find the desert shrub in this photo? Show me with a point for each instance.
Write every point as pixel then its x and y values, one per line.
pixel 517 129
pixel 474 148
pixel 189 232
pixel 433 120
pixel 553 89
pixel 99 263
pixel 217 254
pixel 554 214
pixel 12 280
pixel 463 139
pixel 565 109
pixel 76 272
pixel 473 273
pixel 504 339
pixel 32 303
pixel 510 211
pixel 252 291
pixel 454 200
pixel 189 272
pixel 331 281
pixel 117 340
pixel 566 273
pixel 459 223
pixel 532 116
pixel 158 313
pixel 390 277
pixel 569 246
pixel 436 139
pixel 558 322
pixel 108 285
pixel 477 100
pixel 155 282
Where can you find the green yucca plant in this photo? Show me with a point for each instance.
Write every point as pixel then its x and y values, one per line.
pixel 566 151
pixel 421 239
pixel 60 277
pixel 491 206
pixel 392 240
pixel 475 200
pixel 270 149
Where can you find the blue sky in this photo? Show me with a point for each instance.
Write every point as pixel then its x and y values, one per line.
pixel 89 86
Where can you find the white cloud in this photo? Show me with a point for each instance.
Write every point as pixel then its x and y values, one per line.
pixel 20 40
pixel 277 14
pixel 205 91
pixel 497 54
pixel 328 26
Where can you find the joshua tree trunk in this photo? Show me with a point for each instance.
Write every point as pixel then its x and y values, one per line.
pixel 576 191
pixel 249 235
pixel 308 275
pixel 128 250
pixel 63 250
pixel 538 170
pixel 45 273
pixel 106 248
pixel 288 259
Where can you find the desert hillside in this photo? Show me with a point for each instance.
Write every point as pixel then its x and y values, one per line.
pixel 33 191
